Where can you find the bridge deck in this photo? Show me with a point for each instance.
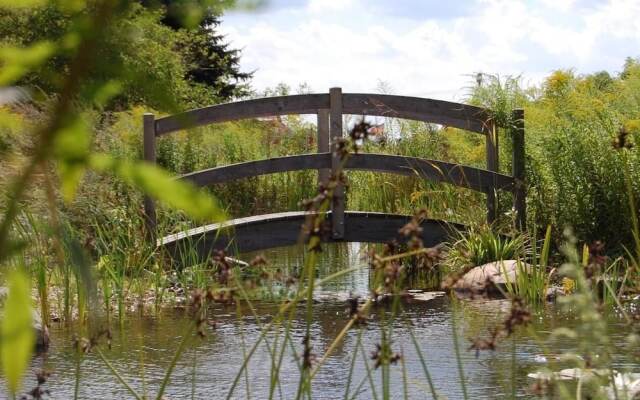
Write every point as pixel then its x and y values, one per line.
pixel 285 229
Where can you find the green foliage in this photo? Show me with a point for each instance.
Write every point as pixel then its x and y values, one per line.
pixel 533 278
pixel 18 336
pixel 161 185
pixel 580 180
pixel 574 173
pixel 482 244
pixel 162 62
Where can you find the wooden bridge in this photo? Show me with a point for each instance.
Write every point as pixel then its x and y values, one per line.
pixel 273 230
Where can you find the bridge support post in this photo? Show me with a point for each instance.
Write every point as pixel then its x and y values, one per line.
pixel 492 165
pixel 323 143
pixel 518 166
pixel 338 201
pixel 149 150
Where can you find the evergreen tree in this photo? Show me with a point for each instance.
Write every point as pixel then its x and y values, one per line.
pixel 213 68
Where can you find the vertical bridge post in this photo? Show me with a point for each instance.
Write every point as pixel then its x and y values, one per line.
pixel 492 165
pixel 149 150
pixel 323 143
pixel 338 201
pixel 518 166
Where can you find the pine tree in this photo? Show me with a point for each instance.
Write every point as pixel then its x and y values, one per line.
pixel 213 68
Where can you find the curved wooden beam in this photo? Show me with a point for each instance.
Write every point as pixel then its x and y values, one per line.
pixel 266 107
pixel 285 229
pixel 457 115
pixel 249 169
pixel 434 170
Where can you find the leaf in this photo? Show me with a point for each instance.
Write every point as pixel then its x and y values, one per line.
pixel 18 337
pixel 163 186
pixel 105 92
pixel 16 62
pixel 71 149
pixel 22 3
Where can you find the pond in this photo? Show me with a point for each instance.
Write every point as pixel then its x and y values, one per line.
pixel 142 349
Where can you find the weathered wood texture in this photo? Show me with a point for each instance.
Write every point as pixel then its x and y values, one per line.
pixel 284 229
pixel 518 165
pixel 457 115
pixel 266 107
pixel 493 164
pixel 149 150
pixel 274 230
pixel 434 170
pixel 335 130
pixel 324 145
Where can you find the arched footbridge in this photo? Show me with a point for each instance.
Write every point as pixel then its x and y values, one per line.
pixel 281 229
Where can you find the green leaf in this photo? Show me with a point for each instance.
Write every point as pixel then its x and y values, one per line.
pixel 106 92
pixel 163 186
pixel 16 62
pixel 18 337
pixel 71 149
pixel 22 3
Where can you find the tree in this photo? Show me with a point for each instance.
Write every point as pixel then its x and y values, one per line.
pixel 169 64
pixel 213 68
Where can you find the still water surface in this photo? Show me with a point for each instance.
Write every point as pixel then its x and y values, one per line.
pixel 142 349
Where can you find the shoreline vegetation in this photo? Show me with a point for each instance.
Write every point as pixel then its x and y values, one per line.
pixel 72 233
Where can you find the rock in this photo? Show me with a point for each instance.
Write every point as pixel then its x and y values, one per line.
pixel 570 374
pixel 42 333
pixel 425 296
pixel 554 292
pixel 236 261
pixel 623 386
pixel 490 278
pixel 324 296
pixel 41 330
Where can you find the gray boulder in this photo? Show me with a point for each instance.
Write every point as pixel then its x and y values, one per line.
pixel 491 278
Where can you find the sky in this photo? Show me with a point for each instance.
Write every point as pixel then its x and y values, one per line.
pixel 429 48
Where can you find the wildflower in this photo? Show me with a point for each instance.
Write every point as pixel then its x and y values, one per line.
pixel 519 316
pixel 308 358
pixel 479 344
pixel 355 311
pixel 383 355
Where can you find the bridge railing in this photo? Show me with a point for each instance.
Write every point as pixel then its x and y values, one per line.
pixel 329 109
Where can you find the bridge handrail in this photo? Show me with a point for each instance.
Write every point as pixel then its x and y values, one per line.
pixel 463 116
pixel 329 109
pixel 439 171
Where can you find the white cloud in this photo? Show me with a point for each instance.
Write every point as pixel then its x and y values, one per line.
pixel 563 5
pixel 321 6
pixel 345 43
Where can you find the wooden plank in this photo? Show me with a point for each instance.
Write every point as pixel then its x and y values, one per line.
pixel 447 113
pixel 149 150
pixel 284 229
pixel 434 170
pixel 338 201
pixel 457 115
pixel 229 173
pixel 492 165
pixel 518 165
pixel 266 107
pixel 323 143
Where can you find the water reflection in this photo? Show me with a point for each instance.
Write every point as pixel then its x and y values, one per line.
pixel 143 348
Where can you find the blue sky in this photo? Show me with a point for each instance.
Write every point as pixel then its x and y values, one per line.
pixel 429 47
